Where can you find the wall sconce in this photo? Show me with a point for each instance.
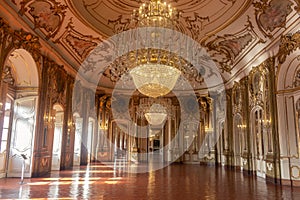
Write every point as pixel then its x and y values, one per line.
pixel 71 124
pixel 104 126
pixel 266 122
pixel 50 118
pixel 242 126
pixel 208 129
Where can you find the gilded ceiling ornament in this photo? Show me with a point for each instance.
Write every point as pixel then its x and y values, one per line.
pixel 226 49
pixel 271 15
pixel 76 43
pixel 120 24
pixel 195 24
pixel 48 15
pixel 288 44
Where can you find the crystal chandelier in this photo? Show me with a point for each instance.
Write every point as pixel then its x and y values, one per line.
pixel 156 115
pixel 154 80
pixel 154 71
pixel 156 14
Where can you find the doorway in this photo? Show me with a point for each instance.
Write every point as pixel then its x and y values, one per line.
pixel 19 97
pixel 258 140
pixel 78 134
pixel 57 138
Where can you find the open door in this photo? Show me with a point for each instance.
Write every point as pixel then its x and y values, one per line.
pixel 22 137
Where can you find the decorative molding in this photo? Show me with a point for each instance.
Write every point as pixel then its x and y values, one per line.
pixel 271 15
pixel 288 44
pixel 78 45
pixel 226 49
pixel 47 15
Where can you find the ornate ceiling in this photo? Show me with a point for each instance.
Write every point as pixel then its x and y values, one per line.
pixel 198 19
pixel 236 33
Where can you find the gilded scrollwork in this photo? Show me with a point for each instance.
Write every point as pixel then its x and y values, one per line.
pixel 288 44
pixel 195 24
pixel 271 15
pixel 23 39
pixel 15 39
pixel 120 24
pixel 57 84
pixel 47 15
pixel 78 44
pixel 259 85
pixel 226 49
pixel 7 75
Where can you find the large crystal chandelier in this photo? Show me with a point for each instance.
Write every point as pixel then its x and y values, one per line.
pixel 150 76
pixel 154 70
pixel 155 110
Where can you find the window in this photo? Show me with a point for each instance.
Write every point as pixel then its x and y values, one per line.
pixel 6 123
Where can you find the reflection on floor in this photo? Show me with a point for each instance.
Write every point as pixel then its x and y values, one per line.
pixel 176 181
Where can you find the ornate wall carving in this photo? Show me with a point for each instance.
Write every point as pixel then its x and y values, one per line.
pixel 288 44
pixel 7 75
pixel 15 39
pixel 259 86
